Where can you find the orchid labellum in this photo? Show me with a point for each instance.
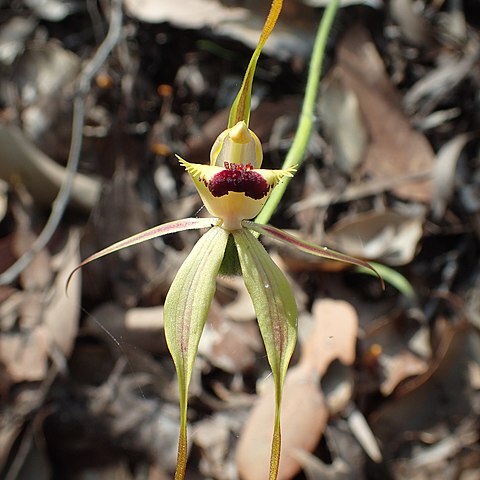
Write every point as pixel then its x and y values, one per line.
pixel 234 189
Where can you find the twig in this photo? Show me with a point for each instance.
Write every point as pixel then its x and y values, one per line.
pixel 60 203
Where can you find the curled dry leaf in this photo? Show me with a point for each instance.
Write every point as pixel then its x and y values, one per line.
pixel 444 173
pixel 395 149
pixel 304 408
pixel 344 123
pixel 389 237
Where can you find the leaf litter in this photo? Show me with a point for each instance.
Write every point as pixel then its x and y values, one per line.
pixel 383 386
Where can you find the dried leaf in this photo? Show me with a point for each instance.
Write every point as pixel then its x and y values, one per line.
pixel 229 345
pixel 387 237
pixel 430 398
pixel 304 408
pixel 395 149
pixel 362 432
pixel 333 336
pixel 340 113
pixel 444 173
pixel 62 313
pixel 20 159
pixel 304 417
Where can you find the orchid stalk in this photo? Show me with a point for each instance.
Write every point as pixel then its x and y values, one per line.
pixel 234 189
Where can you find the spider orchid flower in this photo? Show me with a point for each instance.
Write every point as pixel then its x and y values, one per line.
pixel 234 189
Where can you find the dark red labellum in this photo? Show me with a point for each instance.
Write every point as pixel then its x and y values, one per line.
pixel 238 178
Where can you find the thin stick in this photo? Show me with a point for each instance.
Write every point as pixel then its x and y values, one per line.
pixel 61 201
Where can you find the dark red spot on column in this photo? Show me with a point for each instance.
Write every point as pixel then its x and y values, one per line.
pixel 238 178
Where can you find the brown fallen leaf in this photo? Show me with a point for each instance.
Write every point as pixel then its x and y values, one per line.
pixel 304 409
pixel 345 126
pixel 62 313
pixel 388 236
pixel 304 417
pixel 437 395
pixel 333 336
pixel 395 148
pixel 444 173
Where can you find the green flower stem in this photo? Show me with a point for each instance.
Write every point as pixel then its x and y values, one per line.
pixel 296 154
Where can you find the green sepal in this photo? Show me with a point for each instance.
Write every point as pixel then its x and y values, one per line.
pixel 186 308
pixel 276 312
pixel 151 233
pixel 230 264
pixel 241 105
pixel 309 247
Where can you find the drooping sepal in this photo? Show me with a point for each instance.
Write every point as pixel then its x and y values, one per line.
pixel 186 308
pixel 276 312
pixel 308 247
pixel 154 232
